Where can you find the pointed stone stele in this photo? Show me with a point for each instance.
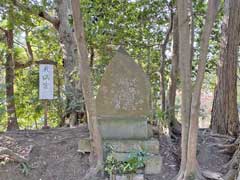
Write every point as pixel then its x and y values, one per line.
pixel 123 99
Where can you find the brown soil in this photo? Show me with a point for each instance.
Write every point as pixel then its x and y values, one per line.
pixel 52 155
pixel 209 157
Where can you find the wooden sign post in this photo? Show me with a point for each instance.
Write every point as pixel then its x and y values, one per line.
pixel 46 85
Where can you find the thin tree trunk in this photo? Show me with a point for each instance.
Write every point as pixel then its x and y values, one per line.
pixel 60 104
pixel 191 101
pixel 86 81
pixel 10 76
pixel 192 164
pixel 173 76
pixel 162 67
pixel 185 76
pixel 191 30
pixel 92 55
pixel 225 118
pixel 73 89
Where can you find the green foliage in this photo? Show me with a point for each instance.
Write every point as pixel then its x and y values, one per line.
pixel 134 162
pixel 161 117
pixel 191 177
pixel 140 26
pixel 2 109
pixel 24 168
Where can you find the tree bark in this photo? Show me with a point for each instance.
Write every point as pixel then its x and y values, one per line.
pixel 185 76
pixel 173 76
pixel 10 76
pixel 85 75
pixel 163 58
pixel 192 164
pixel 73 91
pixel 225 118
pixel 191 100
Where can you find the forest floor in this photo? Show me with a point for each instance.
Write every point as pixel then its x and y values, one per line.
pixel 52 155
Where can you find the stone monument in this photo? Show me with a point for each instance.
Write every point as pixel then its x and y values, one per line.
pixel 123 106
pixel 123 100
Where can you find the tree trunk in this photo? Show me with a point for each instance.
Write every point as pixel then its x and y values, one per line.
pixel 85 75
pixel 191 101
pixel 73 90
pixel 192 165
pixel 185 76
pixel 163 58
pixel 225 118
pixel 173 77
pixel 11 110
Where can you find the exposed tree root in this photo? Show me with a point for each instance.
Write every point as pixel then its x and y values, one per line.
pixel 94 172
pixel 200 175
pixel 212 175
pixel 197 176
pixel 234 164
pixel 179 176
pixel 231 174
pixel 12 155
pixel 227 151
pixel 223 136
pixel 227 148
pixel 175 130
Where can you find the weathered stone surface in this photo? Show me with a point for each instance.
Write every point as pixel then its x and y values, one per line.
pixel 120 156
pixel 128 177
pixel 153 164
pixel 138 177
pixel 150 131
pixel 150 146
pixel 123 100
pixel 122 177
pixel 124 90
pixel 123 128
pixel 84 145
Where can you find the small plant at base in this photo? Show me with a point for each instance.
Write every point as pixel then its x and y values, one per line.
pixel 24 168
pixel 134 162
pixel 191 177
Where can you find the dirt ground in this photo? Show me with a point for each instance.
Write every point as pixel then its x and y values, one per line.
pixel 52 155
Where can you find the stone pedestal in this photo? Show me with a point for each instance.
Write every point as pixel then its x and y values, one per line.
pixel 127 177
pixel 123 127
pixel 150 145
pixel 153 164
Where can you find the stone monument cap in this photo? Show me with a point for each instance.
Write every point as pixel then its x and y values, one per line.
pixel 124 90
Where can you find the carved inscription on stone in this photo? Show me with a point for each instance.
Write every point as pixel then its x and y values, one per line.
pixel 124 89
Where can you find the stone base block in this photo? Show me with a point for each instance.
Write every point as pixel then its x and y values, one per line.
pixel 127 146
pixel 123 128
pixel 153 164
pixel 121 156
pixel 127 177
pixel 84 145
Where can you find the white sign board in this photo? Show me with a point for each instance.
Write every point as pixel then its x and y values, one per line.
pixel 46 81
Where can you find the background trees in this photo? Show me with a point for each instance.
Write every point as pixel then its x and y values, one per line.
pixel 225 118
pixel 191 98
pixel 142 32
pixel 180 61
